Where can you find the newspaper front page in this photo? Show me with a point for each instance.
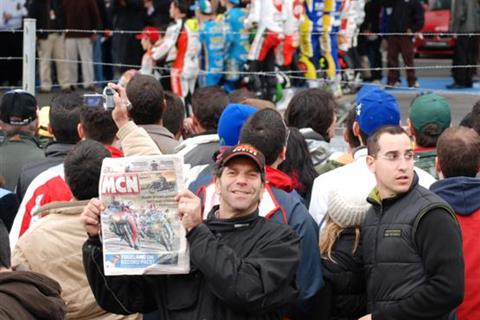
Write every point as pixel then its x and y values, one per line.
pixel 141 231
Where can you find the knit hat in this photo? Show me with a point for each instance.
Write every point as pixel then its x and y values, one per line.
pixel 231 121
pixel 347 207
pixel 150 33
pixel 18 108
pixel 430 109
pixel 376 108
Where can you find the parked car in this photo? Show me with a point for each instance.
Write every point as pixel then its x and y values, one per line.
pixel 437 16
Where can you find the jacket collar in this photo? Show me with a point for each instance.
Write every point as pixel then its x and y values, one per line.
pixel 374 196
pixel 62 207
pixel 279 179
pixel 57 149
pixel 462 193
pixel 157 129
pixel 216 224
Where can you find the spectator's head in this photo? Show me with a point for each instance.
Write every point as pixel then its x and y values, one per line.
pixel 266 131
pixel 239 180
pixel 475 116
pixel 375 109
pixel 390 159
pixel 18 112
pixel 64 117
pixel 208 104
pixel 147 98
pixel 5 253
pixel 148 37
pixel 458 153
pixel 348 135
pixel 347 208
pixel 82 168
pixel 428 117
pixel 97 124
pixel 298 163
pixel 174 114
pixel 467 121
pixel 231 122
pixel 259 103
pixel 240 95
pixel 313 108
pixel 180 9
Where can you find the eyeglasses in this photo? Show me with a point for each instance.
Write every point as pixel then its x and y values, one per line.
pixel 395 156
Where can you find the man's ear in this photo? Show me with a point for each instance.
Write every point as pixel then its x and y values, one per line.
pixel 371 163
pixel 410 129
pixel 283 154
pixel 50 130
pixel 216 180
pixel 81 131
pixel 438 167
pixel 356 132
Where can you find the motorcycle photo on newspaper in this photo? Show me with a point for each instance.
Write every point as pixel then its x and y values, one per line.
pixel 123 223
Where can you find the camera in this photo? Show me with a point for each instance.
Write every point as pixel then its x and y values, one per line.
pixel 97 100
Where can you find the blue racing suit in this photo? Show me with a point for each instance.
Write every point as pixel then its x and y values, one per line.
pixel 237 45
pixel 212 39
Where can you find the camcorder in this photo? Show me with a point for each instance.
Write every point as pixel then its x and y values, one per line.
pixel 104 100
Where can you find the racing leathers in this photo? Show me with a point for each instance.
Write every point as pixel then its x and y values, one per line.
pixel 237 45
pixel 269 16
pixel 212 39
pixel 180 48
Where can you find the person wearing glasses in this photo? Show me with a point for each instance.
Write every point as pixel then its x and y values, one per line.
pixel 412 245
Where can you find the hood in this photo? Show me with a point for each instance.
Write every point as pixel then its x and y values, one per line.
pixel 115 152
pixel 57 150
pixel 318 148
pixel 62 207
pixel 279 179
pixel 38 294
pixel 461 193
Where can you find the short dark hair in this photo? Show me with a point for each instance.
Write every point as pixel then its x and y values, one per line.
pixel 458 151
pixel 266 131
pixel 240 95
pixel 475 116
pixel 183 6
pixel 298 163
pixel 428 137
pixel 82 167
pixel 208 104
pixel 372 141
pixel 467 121
pixel 98 124
pixel 174 113
pixel 147 98
pixel 353 140
pixel 64 117
pixel 312 108
pixel 5 252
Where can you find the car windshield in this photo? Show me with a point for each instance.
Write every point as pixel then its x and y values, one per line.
pixel 441 5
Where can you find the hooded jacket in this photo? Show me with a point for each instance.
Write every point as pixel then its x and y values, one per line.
pixel 27 295
pixel 462 194
pixel 320 150
pixel 53 247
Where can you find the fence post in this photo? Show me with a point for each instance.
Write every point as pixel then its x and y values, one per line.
pixel 29 45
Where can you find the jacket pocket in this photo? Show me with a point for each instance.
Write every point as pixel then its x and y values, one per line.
pixel 182 291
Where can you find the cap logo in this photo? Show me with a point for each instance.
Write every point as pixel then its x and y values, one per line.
pixel 246 148
pixel 359 109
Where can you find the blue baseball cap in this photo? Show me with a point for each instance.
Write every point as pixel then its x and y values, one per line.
pixel 376 108
pixel 231 121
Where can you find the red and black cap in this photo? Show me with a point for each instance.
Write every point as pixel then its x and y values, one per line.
pixel 242 150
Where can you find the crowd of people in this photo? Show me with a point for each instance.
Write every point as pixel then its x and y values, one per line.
pixel 280 224
pixel 267 46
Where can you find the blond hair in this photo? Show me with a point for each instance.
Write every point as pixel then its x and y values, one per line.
pixel 330 235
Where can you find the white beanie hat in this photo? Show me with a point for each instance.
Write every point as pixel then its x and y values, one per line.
pixel 347 206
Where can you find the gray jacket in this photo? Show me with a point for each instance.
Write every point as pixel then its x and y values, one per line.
pixel 465 15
